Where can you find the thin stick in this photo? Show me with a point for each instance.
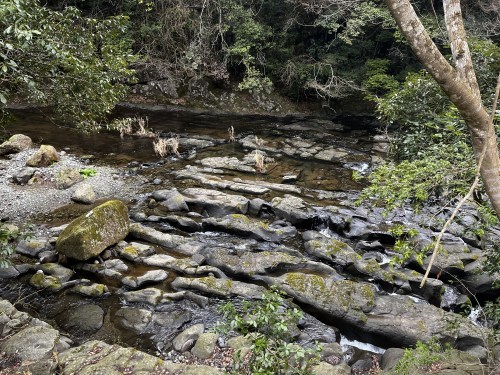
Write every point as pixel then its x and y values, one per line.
pixel 467 196
pixel 450 220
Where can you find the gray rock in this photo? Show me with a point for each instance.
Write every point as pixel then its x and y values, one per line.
pixel 256 205
pixel 117 265
pixel 154 236
pixel 32 343
pixel 15 144
pixel 332 349
pixel 215 203
pixel 324 368
pixel 87 318
pixel 88 235
pixel 330 249
pixel 150 277
pixel 186 339
pixel 134 319
pixel 43 157
pixel 219 287
pixel 133 251
pixel 226 162
pixel 249 264
pixel 48 256
pixel 84 193
pixel 330 154
pixel 56 270
pixel 292 209
pixel 67 178
pixel 183 223
pixel 8 272
pixel 33 247
pixel 92 290
pixel 23 176
pixel 170 200
pixel 98 357
pixel 205 345
pixel 150 296
pixel 171 319
pixel 243 226
pixel 241 345
pixel 396 318
pixel 390 358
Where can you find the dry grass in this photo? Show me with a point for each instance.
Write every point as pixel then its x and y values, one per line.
pixel 136 126
pixel 164 147
pixel 230 131
pixel 258 141
pixel 260 162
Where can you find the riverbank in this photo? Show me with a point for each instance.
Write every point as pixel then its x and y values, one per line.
pixel 212 225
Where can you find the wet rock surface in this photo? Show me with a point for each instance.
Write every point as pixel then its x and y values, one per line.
pixel 202 235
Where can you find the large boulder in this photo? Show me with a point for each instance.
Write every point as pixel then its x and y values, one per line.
pixel 16 143
pixel 384 319
pixel 88 235
pixel 43 157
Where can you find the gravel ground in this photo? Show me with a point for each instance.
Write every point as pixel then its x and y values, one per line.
pixel 21 203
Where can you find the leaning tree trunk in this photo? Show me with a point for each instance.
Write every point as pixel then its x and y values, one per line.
pixel 460 86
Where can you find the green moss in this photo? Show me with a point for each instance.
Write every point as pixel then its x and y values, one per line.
pixel 241 218
pixel 421 326
pixel 368 294
pixel 130 251
pixel 334 247
pixel 41 281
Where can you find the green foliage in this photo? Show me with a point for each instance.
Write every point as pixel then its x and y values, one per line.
pixel 405 245
pixel 9 234
pixel 88 172
pixel 268 324
pixel 421 358
pixel 441 174
pixel 60 58
pixel 377 80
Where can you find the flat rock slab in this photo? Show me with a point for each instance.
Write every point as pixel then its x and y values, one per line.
pixel 244 226
pixel 154 236
pixel 215 203
pixel 393 319
pixel 99 358
pixel 32 343
pixel 219 287
pixel 249 264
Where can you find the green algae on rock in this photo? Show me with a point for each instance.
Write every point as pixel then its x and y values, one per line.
pixel 88 235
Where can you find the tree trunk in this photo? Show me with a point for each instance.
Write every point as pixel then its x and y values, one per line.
pixel 459 87
pixel 459 46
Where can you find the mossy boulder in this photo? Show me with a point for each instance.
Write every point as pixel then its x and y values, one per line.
pixel 88 235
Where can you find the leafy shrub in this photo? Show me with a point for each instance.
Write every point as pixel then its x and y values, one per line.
pixel 9 234
pixel 267 323
pixel 421 358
